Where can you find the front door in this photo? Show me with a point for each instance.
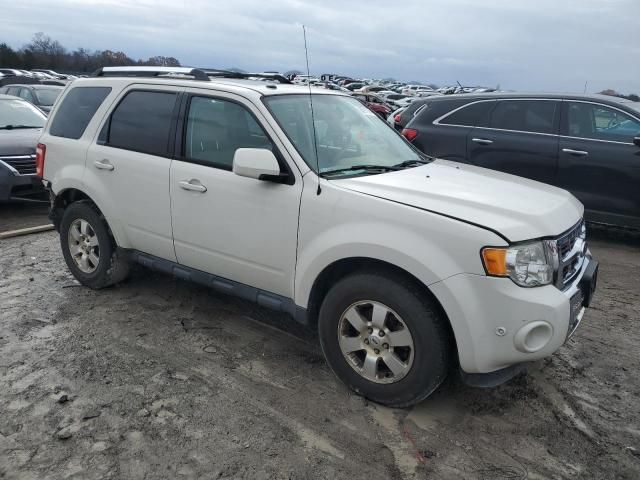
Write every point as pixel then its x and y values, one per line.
pixel 234 227
pixel 519 139
pixel 599 162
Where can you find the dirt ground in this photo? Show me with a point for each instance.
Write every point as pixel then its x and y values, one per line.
pixel 158 378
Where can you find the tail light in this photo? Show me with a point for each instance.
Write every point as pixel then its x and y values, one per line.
pixel 41 151
pixel 410 134
pixel 397 118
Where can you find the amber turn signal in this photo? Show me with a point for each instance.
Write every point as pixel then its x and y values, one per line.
pixel 495 261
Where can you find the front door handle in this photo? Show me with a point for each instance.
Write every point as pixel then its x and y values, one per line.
pixel 104 164
pixel 577 153
pixel 482 141
pixel 192 185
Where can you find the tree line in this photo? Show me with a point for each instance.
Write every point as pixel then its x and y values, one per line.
pixel 45 52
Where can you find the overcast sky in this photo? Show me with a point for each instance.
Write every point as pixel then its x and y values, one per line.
pixel 541 45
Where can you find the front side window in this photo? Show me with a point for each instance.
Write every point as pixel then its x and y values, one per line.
pixel 347 133
pixel 216 128
pixel 76 111
pixel 588 120
pixel 524 115
pixel 142 122
pixel 16 113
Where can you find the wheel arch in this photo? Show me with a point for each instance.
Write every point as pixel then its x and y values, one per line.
pixel 346 266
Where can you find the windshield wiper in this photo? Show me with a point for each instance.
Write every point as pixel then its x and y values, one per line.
pixel 411 163
pixel 366 168
pixel 14 127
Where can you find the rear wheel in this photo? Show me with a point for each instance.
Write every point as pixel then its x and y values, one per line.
pixel 385 338
pixel 88 249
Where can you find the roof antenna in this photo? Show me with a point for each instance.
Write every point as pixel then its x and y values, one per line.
pixel 313 120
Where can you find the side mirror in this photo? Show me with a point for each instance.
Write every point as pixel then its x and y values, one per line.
pixel 636 140
pixel 258 163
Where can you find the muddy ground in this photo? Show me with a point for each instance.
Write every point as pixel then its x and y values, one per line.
pixel 158 378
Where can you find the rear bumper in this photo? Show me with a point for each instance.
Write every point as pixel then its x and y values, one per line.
pixel 498 324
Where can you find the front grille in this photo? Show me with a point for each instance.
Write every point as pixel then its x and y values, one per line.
pixel 572 249
pixel 22 164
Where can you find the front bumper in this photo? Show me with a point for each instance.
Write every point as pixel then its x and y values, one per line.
pixel 498 324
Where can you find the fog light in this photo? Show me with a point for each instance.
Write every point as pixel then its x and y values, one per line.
pixel 533 336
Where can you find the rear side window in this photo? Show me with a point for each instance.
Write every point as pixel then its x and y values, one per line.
pixel 142 122
pixel 524 115
pixel 471 115
pixel 76 111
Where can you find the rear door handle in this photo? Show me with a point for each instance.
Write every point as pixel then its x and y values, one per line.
pixel 192 185
pixel 482 141
pixel 104 164
pixel 577 153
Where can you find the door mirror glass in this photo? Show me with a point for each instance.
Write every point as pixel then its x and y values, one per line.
pixel 258 163
pixel 636 140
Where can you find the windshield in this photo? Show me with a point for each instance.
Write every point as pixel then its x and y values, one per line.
pixel 46 96
pixel 18 113
pixel 348 134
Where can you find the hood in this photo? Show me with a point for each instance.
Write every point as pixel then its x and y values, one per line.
pixel 19 141
pixel 517 208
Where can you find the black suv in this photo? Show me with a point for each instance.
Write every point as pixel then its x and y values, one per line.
pixel 587 144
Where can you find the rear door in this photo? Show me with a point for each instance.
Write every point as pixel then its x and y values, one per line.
pixel 521 139
pixel 443 126
pixel 599 162
pixel 128 168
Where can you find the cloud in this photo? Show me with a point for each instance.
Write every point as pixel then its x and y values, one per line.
pixel 544 45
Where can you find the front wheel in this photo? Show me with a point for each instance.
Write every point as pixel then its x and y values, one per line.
pixel 384 338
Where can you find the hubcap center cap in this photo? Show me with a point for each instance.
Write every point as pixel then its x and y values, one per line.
pixel 375 341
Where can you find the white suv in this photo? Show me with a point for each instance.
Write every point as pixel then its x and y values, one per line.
pixel 408 266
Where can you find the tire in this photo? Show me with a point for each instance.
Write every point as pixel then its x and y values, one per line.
pixel 419 374
pixel 107 265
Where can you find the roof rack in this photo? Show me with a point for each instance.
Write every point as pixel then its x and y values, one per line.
pixel 230 74
pixel 196 73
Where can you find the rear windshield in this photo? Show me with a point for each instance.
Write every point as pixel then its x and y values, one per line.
pixel 76 111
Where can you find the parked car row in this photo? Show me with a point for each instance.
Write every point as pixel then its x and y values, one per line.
pixel 586 144
pixel 37 73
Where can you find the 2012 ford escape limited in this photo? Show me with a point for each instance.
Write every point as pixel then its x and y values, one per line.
pixel 409 266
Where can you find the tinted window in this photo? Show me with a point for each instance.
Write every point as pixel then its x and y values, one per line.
pixel 588 120
pixel 469 115
pixel 76 111
pixel 217 128
pixel 524 115
pixel 142 122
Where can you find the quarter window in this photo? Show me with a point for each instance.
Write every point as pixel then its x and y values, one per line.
pixel 524 115
pixel 142 122
pixel 472 115
pixel 76 111
pixel 216 128
pixel 588 120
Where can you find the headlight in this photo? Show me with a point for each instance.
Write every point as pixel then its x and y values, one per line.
pixel 528 265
